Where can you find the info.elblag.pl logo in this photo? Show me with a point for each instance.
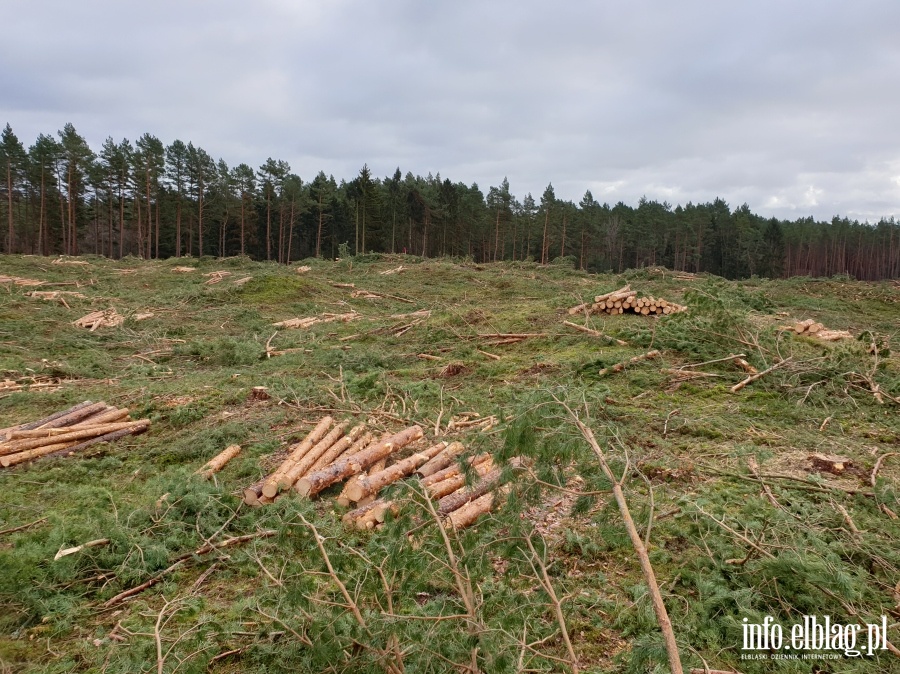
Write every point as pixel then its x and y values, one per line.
pixel 814 634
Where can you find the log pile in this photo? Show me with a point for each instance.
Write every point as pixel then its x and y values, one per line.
pixel 110 318
pixel 67 432
pixel 314 320
pixel 330 455
pixel 214 277
pixel 810 328
pixel 625 300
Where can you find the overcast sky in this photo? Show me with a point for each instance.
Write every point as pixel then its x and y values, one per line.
pixel 790 106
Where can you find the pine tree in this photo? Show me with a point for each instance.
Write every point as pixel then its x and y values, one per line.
pixel 12 163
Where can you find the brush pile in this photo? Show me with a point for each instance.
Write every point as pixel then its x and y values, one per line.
pixel 330 455
pixel 67 432
pixel 809 328
pixel 625 300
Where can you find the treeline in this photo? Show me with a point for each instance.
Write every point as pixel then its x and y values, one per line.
pixel 143 198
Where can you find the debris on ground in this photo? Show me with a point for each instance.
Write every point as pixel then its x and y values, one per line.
pixel 214 277
pixel 314 320
pixel 108 318
pixel 184 270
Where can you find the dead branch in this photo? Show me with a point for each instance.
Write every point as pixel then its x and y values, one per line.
pixel 877 467
pixel 618 367
pixel 202 550
pixel 659 607
pixel 753 377
pixel 23 527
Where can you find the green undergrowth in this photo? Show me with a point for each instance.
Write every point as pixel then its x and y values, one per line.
pixel 739 522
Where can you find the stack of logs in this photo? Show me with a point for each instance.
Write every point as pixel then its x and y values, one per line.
pixel 329 454
pixel 625 300
pixel 67 432
pixel 809 328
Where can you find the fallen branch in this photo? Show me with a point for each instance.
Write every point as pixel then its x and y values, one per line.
pixel 753 377
pixel 202 550
pixel 659 607
pixel 23 527
pixel 79 548
pixel 878 466
pixel 618 367
pixel 594 333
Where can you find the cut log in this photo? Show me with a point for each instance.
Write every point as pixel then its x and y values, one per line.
pixel 442 460
pixel 74 416
pixel 440 489
pixel 296 452
pixel 141 427
pixel 46 420
pixel 376 515
pixel 32 443
pixel 465 516
pixel 253 493
pixel 343 468
pixel 452 470
pixel 301 467
pixel 108 416
pixel 606 296
pixel 351 443
pixel 217 463
pixel 351 516
pixel 618 367
pixel 36 453
pixel 375 482
pixel 459 498
pixel 578 309
pixel 345 501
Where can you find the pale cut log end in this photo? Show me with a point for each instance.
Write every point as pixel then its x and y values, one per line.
pixel 303 486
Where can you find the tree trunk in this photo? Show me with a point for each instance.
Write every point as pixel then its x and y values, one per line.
pixel 442 460
pixel 452 470
pixel 372 484
pixel 465 516
pixel 302 466
pixel 451 484
pixel 343 468
pixel 343 447
pixel 217 463
pixel 297 452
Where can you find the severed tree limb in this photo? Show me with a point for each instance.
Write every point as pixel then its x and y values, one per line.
pixel 618 367
pixel 753 377
pixel 736 356
pixel 23 527
pixel 659 607
pixel 877 467
pixel 595 333
pixel 202 550
pixel 544 579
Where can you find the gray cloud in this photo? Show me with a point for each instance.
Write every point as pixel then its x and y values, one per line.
pixel 789 107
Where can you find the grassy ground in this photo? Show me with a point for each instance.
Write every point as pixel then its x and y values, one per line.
pixel 725 544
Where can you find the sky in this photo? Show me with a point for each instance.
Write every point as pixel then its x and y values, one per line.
pixel 789 106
